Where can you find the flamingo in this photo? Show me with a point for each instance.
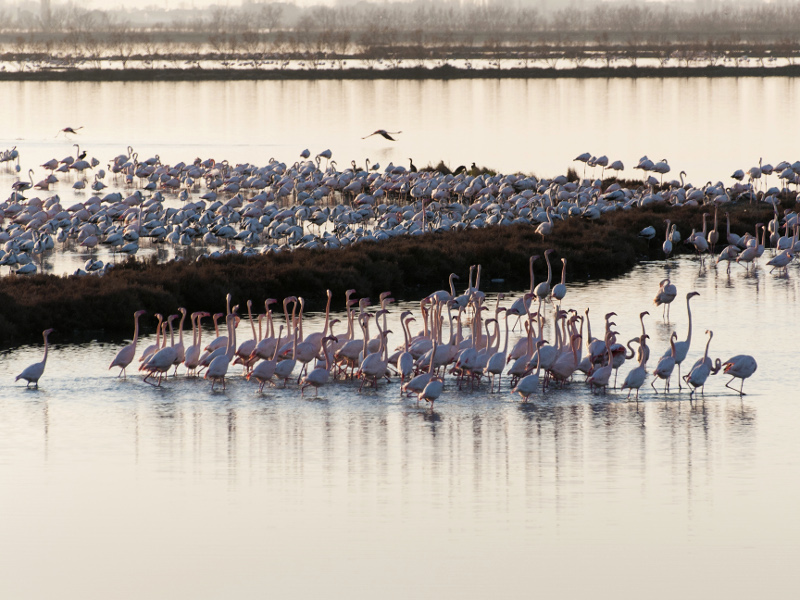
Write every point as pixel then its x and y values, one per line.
pixel 560 289
pixel 682 348
pixel 667 245
pixel 246 348
pixel 636 376
pixel 218 367
pixel 666 294
pixel 374 365
pixel 543 289
pixel 496 363
pixel 432 390
pixel 180 349
pixel 34 372
pixel 732 238
pixel 741 367
pixel 530 383
pixel 162 360
pixel 264 370
pixel 666 365
pixel 713 235
pixel 284 368
pixel 125 356
pixel 546 228
pixel 781 261
pixel 442 295
pixel 701 370
pixel 405 362
pixel 192 354
pixel 599 378
pixel 418 383
pixel 319 376
pixel 750 253
pixel 384 133
pixel 153 348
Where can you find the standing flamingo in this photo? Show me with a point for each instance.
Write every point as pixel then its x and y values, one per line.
pixel 218 367
pixel 701 370
pixel 740 366
pixel 543 289
pixel 264 370
pixel 560 289
pixel 667 245
pixel 666 294
pixel 666 365
pixel 635 378
pixel 682 348
pixel 33 373
pixel 125 356
pixel 319 376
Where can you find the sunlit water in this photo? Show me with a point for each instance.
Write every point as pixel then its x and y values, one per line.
pixel 113 488
pixel 706 127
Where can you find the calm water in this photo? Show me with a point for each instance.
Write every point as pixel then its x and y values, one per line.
pixel 707 128
pixel 115 489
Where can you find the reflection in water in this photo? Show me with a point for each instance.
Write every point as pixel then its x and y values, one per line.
pixel 545 444
pixel 242 482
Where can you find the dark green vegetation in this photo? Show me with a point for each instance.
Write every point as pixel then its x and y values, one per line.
pixel 410 267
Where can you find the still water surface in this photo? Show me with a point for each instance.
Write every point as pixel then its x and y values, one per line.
pixel 706 127
pixel 112 488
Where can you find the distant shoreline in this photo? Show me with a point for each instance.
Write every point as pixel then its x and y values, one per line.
pixel 412 73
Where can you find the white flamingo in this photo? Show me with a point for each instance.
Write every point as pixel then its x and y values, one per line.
pixel 125 355
pixel 34 372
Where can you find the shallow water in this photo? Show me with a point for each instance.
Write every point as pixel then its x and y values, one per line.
pixel 116 489
pixel 532 126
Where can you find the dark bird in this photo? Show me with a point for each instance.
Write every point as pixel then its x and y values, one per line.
pixel 384 133
pixel 412 167
pixel 73 130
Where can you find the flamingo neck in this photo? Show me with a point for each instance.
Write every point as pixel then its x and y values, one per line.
pixel 46 345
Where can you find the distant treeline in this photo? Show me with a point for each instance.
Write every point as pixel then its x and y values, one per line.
pixel 405 33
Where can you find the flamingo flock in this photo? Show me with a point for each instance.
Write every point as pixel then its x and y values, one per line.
pixel 280 207
pixel 460 341
pixel 222 208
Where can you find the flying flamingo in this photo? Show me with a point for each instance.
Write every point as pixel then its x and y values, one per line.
pixel 384 133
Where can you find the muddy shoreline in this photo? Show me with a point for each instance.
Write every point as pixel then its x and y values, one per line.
pixel 446 72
